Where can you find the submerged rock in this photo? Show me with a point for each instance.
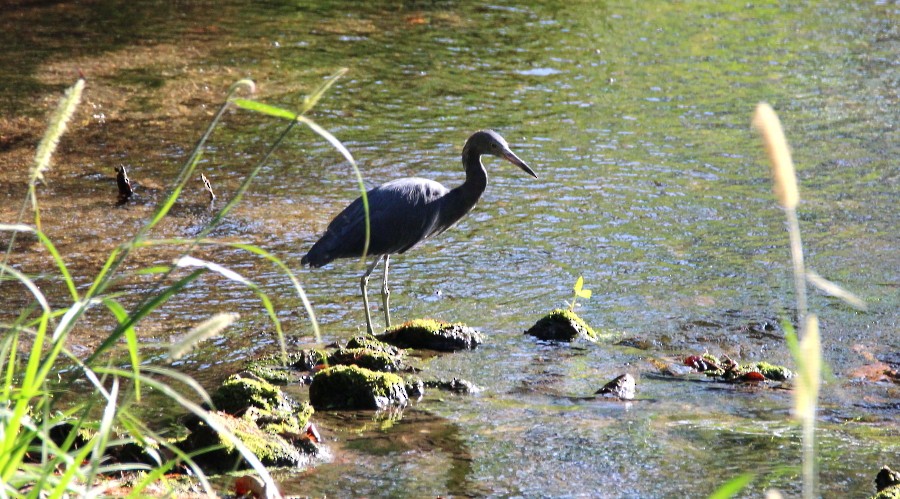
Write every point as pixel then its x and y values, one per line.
pixel 729 370
pixel 432 335
pixel 562 325
pixel 455 385
pixel 353 387
pixel 622 387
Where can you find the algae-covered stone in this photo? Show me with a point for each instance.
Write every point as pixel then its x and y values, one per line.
pixel 239 392
pixel 271 449
pixel 432 335
pixel 562 325
pixel 353 387
pixel 285 369
pixel 887 483
pixel 370 342
pixel 772 372
pixel 368 358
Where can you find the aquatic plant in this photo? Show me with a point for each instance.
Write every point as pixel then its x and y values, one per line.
pixel 45 448
pixel 580 292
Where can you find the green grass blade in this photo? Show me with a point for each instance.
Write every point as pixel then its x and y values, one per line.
pixel 131 340
pixel 142 312
pixel 256 250
pixel 192 407
pixel 48 244
pixel 182 378
pixel 268 110
pixel 313 98
pixel 203 331
pixel 732 487
pixel 325 134
pixel 189 261
pixel 272 258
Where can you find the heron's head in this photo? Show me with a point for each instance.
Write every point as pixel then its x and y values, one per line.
pixel 490 142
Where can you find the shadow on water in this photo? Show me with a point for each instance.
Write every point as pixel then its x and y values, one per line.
pixel 399 449
pixel 652 186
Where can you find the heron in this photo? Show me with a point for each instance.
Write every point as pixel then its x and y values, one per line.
pixel 406 212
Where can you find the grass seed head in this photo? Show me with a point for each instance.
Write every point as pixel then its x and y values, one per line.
pixel 785 181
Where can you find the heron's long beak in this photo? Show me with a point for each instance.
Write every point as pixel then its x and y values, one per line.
pixel 512 158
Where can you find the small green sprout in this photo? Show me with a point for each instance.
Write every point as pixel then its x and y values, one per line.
pixel 580 292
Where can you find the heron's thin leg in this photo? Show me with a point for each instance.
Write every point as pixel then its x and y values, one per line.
pixel 364 284
pixel 386 293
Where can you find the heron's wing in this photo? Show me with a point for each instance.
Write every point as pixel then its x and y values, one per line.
pixel 402 213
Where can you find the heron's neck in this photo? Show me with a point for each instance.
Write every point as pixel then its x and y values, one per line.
pixel 476 176
pixel 462 199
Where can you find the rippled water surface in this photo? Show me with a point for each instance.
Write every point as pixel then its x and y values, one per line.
pixel 652 186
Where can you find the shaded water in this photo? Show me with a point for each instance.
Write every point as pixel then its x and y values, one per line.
pixel 652 186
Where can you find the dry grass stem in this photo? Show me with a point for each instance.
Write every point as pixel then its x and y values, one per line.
pixel 785 181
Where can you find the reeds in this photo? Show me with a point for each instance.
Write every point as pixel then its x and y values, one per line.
pixel 805 345
pixel 31 462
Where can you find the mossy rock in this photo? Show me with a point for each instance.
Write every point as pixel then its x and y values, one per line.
pixel 285 370
pixel 62 431
pixel 372 343
pixel 368 358
pixel 353 387
pixel 729 370
pixel 271 449
pixel 240 392
pixel 892 492
pixel 562 325
pixel 432 335
pixel 887 483
pixel 770 371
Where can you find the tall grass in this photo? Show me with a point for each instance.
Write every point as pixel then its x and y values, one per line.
pixel 805 344
pixel 32 349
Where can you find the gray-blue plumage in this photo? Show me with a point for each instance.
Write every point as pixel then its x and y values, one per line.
pixel 405 212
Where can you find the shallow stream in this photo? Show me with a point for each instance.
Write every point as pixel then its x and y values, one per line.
pixel 652 185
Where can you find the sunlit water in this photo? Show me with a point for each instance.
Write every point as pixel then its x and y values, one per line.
pixel 652 186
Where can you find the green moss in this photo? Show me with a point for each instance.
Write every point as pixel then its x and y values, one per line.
pixel 736 372
pixel 892 492
pixel 433 335
pixel 364 357
pixel 772 372
pixel 284 370
pixel 429 325
pixel 353 387
pixel 372 343
pixel 237 393
pixel 271 449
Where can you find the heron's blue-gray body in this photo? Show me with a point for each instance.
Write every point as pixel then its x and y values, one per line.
pixel 405 212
